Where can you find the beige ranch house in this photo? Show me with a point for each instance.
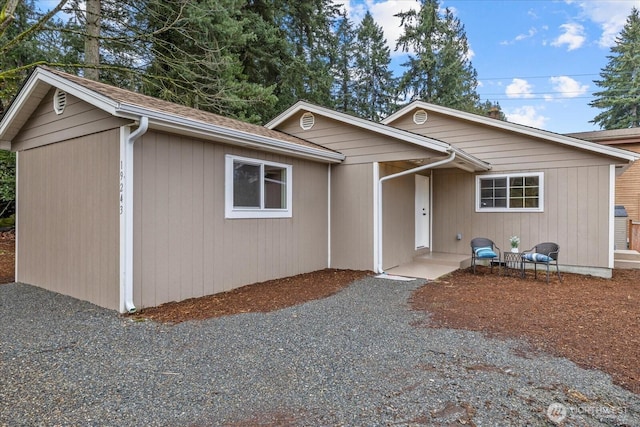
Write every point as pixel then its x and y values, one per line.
pixel 128 201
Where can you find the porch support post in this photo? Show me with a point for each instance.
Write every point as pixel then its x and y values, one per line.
pixel 451 158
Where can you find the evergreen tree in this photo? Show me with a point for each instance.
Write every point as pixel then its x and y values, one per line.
pixel 308 26
pixel 620 80
pixel 457 79
pixel 20 48
pixel 375 85
pixel 196 62
pixel 439 70
pixel 267 53
pixel 343 92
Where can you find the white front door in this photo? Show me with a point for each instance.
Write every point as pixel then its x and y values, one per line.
pixel 423 211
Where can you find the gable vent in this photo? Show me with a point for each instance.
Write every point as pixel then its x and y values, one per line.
pixel 307 121
pixel 59 101
pixel 420 117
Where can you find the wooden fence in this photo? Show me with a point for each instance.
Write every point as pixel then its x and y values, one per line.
pixel 634 235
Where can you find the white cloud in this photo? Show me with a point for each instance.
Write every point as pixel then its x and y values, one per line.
pixel 527 115
pixel 566 87
pixel 519 88
pixel 523 36
pixel 573 36
pixel 610 15
pixel 532 32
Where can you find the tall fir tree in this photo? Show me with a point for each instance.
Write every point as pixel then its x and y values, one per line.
pixel 343 92
pixel 439 69
pixel 620 80
pixel 196 61
pixel 457 79
pixel 375 86
pixel 309 29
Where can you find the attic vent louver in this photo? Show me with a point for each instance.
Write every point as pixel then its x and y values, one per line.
pixel 420 117
pixel 59 101
pixel 307 121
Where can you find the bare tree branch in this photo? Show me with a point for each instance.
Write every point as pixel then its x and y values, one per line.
pixel 7 14
pixel 31 30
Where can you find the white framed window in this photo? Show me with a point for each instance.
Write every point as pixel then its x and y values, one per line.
pixel 257 188
pixel 514 192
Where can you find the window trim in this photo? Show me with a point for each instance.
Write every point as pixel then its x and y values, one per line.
pixel 235 212
pixel 508 176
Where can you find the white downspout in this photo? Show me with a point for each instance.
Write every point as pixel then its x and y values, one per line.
pixel 126 214
pixel 329 216
pixel 451 158
pixel 16 225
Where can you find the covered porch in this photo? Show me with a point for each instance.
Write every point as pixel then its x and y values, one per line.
pixel 403 216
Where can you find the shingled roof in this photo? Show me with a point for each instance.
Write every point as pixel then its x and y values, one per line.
pixel 130 98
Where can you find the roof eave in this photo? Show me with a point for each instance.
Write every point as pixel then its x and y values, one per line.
pixel 476 164
pixel 514 127
pixel 422 141
pixel 227 135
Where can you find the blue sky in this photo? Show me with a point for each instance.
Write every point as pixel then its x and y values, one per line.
pixel 538 59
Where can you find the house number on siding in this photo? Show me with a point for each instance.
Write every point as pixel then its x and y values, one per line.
pixel 121 187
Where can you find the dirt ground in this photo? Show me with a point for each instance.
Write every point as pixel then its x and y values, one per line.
pixel 7 248
pixel 592 321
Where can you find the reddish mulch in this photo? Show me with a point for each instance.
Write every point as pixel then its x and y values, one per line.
pixel 592 321
pixel 7 256
pixel 259 297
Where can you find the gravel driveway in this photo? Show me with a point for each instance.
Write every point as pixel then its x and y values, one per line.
pixel 360 357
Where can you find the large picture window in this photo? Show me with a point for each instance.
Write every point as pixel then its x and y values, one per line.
pixel 511 192
pixel 256 188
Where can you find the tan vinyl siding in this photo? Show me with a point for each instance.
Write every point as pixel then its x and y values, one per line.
pixel 502 149
pixel 398 218
pixel 352 216
pixel 576 215
pixel 628 186
pixel 183 245
pixel 359 145
pixel 78 119
pixel 68 223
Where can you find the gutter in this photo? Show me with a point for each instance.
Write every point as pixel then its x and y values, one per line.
pixel 451 158
pixel 126 213
pixel 226 134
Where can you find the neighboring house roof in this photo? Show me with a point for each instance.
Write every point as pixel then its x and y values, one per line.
pixel 382 129
pixel 626 156
pixel 162 115
pixel 610 137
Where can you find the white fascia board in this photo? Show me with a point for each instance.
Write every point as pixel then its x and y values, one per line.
pixel 16 105
pixel 232 136
pixel 44 76
pixel 87 95
pixel 382 129
pixel 517 128
pixel 473 161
